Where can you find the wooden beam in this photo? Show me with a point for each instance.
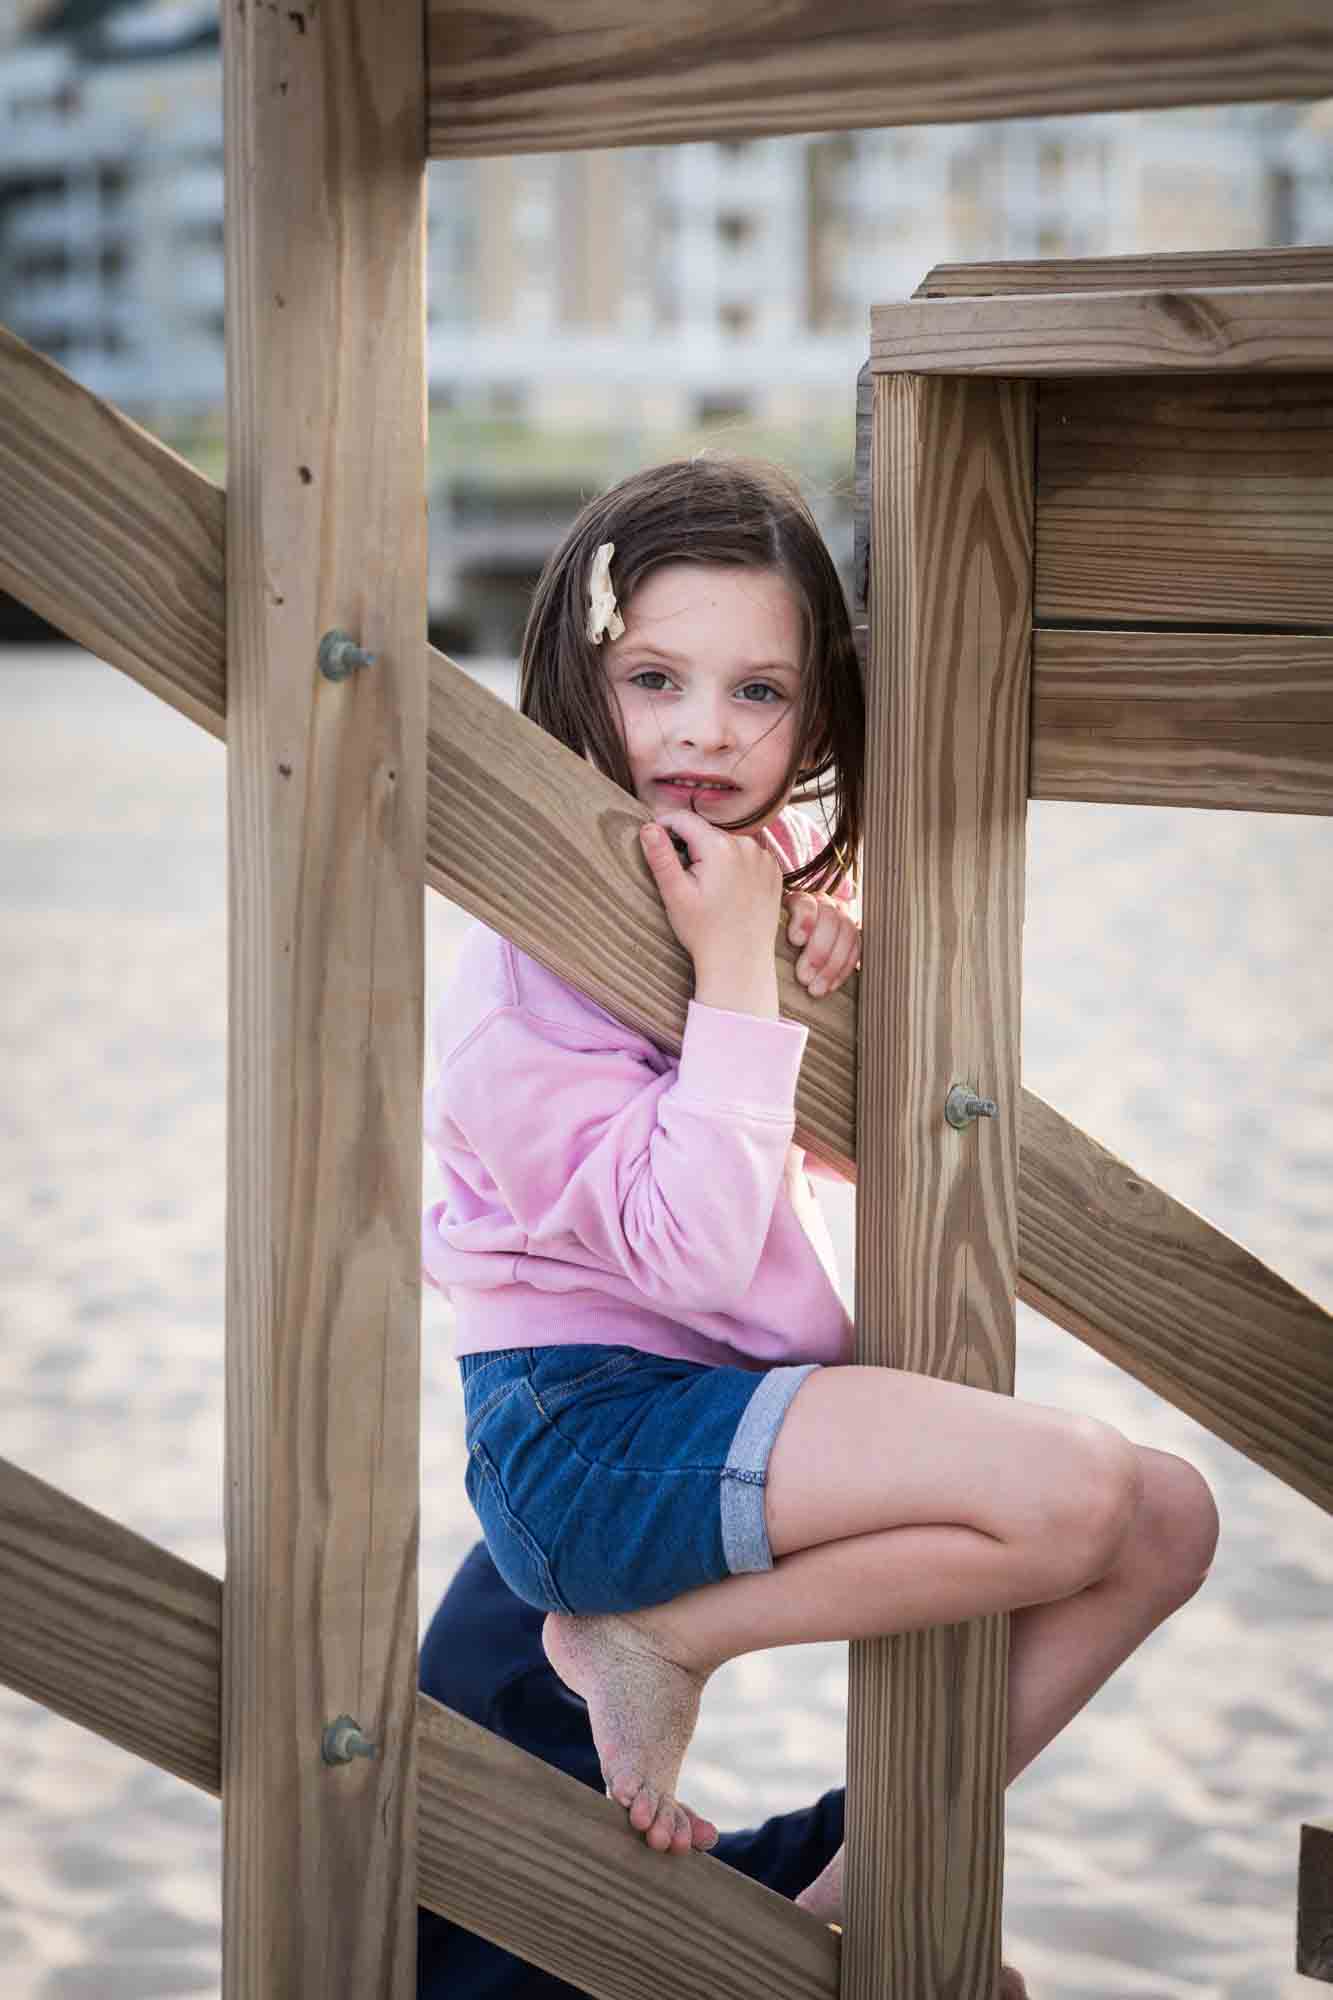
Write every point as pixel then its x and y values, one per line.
pixel 937 1226
pixel 1189 502
pixel 1314 1920
pixel 326 528
pixel 125 1639
pixel 1174 1302
pixel 1170 270
pixel 108 1629
pixel 524 76
pixel 1183 719
pixel 1267 329
pixel 554 814
pixel 110 536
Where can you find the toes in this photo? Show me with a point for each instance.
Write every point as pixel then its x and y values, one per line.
pixel 702 1831
pixel 643 1809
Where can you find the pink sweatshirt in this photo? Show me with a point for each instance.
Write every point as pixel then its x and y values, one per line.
pixel 598 1189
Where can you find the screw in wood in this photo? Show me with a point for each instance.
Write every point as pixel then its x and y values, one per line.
pixel 339 656
pixel 343 1739
pixel 962 1105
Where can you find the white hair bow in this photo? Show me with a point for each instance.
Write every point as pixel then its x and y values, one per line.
pixel 602 613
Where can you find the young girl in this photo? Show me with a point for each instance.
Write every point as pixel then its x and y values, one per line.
pixel 670 1448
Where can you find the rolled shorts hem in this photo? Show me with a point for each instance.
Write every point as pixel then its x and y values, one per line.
pixel 745 1544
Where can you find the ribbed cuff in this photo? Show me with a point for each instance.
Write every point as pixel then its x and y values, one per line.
pixel 741 1062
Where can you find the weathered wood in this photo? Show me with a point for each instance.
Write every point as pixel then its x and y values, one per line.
pixel 1314 1922
pixel 1183 719
pixel 947 689
pixel 537 1862
pixel 1167 1297
pixel 108 1629
pixel 109 535
pixel 549 74
pixel 122 1637
pixel 1264 330
pixel 1172 270
pixel 1186 503
pixel 504 799
pixel 325 223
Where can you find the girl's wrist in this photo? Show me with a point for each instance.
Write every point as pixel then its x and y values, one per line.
pixel 739 990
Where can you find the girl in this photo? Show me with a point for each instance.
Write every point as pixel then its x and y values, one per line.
pixel 670 1448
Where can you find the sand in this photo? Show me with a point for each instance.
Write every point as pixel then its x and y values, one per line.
pixel 1178 969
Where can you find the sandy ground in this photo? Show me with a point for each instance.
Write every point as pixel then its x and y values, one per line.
pixel 1178 972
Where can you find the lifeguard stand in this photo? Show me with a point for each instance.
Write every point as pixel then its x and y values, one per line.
pixel 1098 545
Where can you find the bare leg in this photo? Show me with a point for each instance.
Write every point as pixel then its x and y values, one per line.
pixel 893 1502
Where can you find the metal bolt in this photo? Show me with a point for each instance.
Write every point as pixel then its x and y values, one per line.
pixel 339 656
pixel 342 1740
pixel 962 1105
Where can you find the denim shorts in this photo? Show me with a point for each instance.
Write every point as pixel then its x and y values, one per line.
pixel 608 1479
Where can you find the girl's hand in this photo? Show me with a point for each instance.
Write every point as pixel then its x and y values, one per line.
pixel 831 938
pixel 724 909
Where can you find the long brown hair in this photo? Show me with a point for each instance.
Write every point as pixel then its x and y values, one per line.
pixel 732 512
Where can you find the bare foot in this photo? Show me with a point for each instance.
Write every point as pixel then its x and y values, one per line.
pixel 642 1706
pixel 823 1898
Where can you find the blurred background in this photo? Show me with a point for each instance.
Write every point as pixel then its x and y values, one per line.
pixel 590 314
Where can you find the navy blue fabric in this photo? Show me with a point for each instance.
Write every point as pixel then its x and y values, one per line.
pixel 482 1655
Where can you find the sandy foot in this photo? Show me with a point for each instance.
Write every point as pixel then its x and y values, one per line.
pixel 643 1707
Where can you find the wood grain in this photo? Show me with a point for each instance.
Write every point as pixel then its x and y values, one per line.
pixel 1277 329
pixel 1183 719
pixel 1174 1302
pixel 1172 271
pixel 575 832
pixel 1186 503
pixel 325 219
pixel 108 1629
pixel 950 626
pixel 110 536
pixel 125 1639
pixel 541 75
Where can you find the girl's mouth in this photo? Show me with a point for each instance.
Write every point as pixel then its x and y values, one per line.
pixel 691 787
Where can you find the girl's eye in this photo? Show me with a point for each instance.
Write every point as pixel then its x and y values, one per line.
pixel 647 674
pixel 764 689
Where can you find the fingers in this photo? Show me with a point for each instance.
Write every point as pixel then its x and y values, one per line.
pixel 831 940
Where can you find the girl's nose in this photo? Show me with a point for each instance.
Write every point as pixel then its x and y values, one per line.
pixel 705 722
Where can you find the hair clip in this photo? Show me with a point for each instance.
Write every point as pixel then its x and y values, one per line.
pixel 602 613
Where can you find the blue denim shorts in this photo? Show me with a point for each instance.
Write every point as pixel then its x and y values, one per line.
pixel 607 1479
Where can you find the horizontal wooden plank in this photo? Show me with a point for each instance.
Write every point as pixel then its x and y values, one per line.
pixel 1262 329
pixel 1164 1295
pixel 125 1638
pixel 1172 270
pixel 1186 503
pixel 526 836
pixel 109 535
pixel 1184 719
pixel 523 76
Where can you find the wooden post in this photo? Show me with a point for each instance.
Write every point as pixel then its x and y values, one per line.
pixel 325 187
pixel 950 625
pixel 1314 1918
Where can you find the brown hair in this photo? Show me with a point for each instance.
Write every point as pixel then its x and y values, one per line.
pixel 733 512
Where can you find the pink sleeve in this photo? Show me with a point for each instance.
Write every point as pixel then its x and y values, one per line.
pixel 668 1179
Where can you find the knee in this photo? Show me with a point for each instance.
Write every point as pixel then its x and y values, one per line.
pixel 1094 1509
pixel 1178 1526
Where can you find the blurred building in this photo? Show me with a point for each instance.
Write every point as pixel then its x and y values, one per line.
pixel 622 295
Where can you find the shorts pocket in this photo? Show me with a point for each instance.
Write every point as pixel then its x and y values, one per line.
pixel 519 1558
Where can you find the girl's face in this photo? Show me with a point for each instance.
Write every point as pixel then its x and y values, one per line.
pixel 707 678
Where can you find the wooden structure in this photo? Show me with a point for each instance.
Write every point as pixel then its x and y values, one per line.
pixel 1014 648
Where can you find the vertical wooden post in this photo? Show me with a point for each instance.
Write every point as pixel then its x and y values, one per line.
pixel 325 213
pixel 950 641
